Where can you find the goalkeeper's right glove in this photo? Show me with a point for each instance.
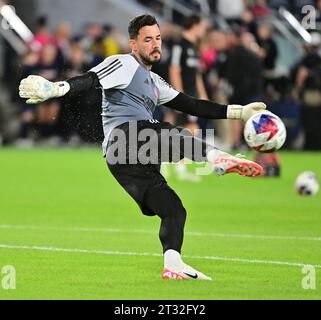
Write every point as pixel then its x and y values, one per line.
pixel 38 89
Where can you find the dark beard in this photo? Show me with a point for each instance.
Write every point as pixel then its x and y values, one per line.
pixel 147 60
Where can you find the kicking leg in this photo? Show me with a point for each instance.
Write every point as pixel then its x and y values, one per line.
pixel 198 150
pixel 223 162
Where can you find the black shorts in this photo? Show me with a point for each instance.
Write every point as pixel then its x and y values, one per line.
pixel 142 180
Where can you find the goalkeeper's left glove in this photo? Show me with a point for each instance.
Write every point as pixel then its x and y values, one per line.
pixel 38 89
pixel 236 111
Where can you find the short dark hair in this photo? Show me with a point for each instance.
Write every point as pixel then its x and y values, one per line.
pixel 191 20
pixel 139 22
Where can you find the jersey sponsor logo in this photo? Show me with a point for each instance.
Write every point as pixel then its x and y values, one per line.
pixel 153 121
pixel 149 104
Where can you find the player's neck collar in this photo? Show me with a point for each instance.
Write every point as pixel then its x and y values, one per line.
pixel 139 62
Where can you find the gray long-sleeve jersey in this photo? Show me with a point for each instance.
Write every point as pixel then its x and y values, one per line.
pixel 130 92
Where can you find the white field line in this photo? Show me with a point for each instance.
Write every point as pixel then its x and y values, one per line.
pixel 199 234
pixel 104 252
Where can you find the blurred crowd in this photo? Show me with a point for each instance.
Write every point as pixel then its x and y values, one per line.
pixel 237 66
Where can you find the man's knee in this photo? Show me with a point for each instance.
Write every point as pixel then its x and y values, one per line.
pixel 166 204
pixel 173 208
pixel 178 210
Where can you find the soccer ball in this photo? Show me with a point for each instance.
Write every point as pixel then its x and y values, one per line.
pixel 307 183
pixel 265 132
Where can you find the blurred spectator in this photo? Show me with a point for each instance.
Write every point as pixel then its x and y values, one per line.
pixel 185 76
pixel 62 39
pixel 248 21
pixel 98 50
pixel 47 112
pixel 216 87
pixel 208 54
pixel 209 48
pixel 118 41
pixel 218 42
pixel 269 50
pixel 184 70
pixel 93 34
pixel 75 64
pixel 243 70
pixel 249 42
pixel 308 88
pixel 27 117
pixel 162 67
pixel 75 117
pixel 42 34
pixel 244 73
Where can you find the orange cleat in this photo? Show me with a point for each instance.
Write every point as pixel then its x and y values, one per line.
pixel 228 164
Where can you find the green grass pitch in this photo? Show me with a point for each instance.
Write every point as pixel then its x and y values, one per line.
pixel 71 232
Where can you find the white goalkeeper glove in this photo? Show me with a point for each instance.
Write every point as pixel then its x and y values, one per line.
pixel 38 89
pixel 236 111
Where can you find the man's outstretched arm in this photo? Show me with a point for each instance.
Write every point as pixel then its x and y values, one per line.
pixel 212 110
pixel 38 89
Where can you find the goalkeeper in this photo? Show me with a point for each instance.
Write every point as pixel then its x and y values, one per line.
pixel 130 94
